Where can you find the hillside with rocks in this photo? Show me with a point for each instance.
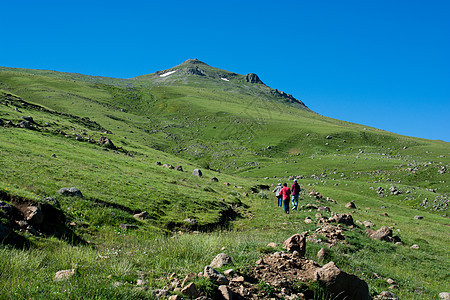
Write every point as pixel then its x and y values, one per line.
pixel 130 188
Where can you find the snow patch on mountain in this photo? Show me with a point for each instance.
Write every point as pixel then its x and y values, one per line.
pixel 167 73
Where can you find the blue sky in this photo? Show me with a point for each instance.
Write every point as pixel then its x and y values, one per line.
pixel 379 63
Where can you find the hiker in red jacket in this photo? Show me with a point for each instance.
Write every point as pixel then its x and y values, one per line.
pixel 286 193
pixel 295 189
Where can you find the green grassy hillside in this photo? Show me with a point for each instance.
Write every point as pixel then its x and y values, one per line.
pixel 232 127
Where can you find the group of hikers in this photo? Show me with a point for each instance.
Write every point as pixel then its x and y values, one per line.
pixel 283 194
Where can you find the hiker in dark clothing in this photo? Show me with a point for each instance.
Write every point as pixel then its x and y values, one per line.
pixel 295 190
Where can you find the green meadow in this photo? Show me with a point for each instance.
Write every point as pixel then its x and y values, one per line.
pixel 244 134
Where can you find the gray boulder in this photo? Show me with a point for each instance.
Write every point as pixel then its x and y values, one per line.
pixel 221 260
pixel 350 205
pixel 70 192
pixel 215 276
pixel 225 292
pixel 34 215
pixel 345 219
pixel 341 285
pixel 297 242
pixel 191 291
pixel 64 274
pixel 197 172
pixel 382 234
pixel 106 142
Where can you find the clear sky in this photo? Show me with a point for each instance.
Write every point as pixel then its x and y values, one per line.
pixel 381 63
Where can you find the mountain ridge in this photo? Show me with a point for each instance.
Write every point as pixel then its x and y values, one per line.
pixel 198 72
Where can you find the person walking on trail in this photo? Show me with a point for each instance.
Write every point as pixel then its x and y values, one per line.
pixel 295 190
pixel 285 193
pixel 277 191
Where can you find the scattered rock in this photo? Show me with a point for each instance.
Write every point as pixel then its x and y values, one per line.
pixel 225 292
pixel 70 192
pixel 51 201
pixel 179 168
pixel 415 246
pixel 221 260
pixel 418 217
pixel 341 284
pixel 297 242
pixel 34 215
pixel 390 281
pixel 168 166
pixel 197 172
pixel 141 216
pixel 191 291
pixel 24 124
pixel 345 219
pixel 158 163
pixel 444 296
pixel 323 252
pixel 323 208
pixel 308 220
pixel 386 295
pixel 64 274
pixel 214 179
pixel 383 234
pixel 175 297
pixel 350 205
pixel 272 245
pixel 215 276
pixel 106 142
pixel 189 277
pixel 368 224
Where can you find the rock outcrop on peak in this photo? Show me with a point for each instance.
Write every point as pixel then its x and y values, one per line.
pixel 253 78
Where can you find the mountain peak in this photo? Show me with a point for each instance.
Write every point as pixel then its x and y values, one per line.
pixel 193 61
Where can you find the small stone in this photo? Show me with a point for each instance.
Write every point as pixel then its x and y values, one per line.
pixel 415 246
pixel 390 281
pixel 190 290
pixel 368 224
pixel 239 279
pixel 197 172
pixel 141 216
pixel 189 277
pixel 418 217
pixel 272 245
pixel 444 296
pixel 226 292
pixel 228 272
pixel 221 260
pixel 64 275
pixel 323 252
pixel 140 282
pixel 350 205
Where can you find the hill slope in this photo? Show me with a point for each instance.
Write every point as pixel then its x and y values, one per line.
pixel 232 127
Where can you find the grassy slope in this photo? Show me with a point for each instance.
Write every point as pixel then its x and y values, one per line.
pixel 247 138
